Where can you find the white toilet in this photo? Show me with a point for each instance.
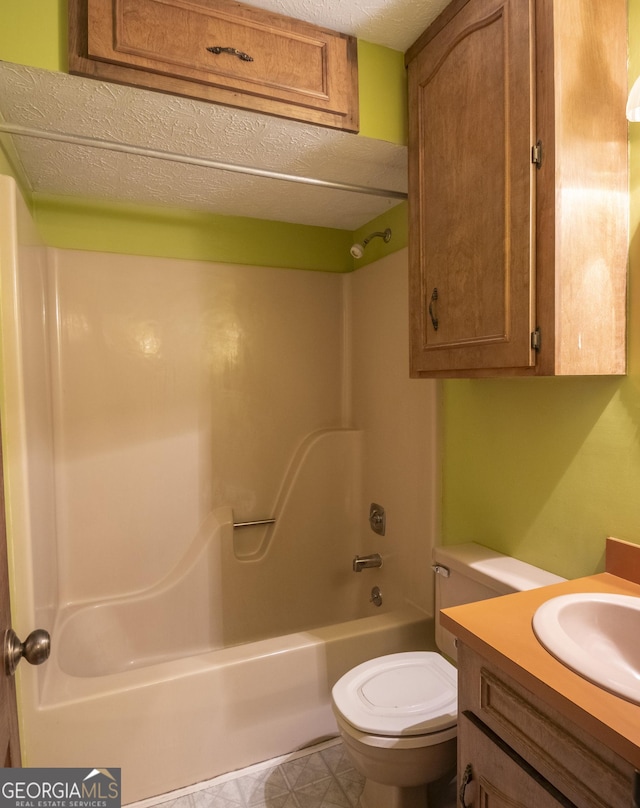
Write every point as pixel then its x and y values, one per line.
pixel 397 714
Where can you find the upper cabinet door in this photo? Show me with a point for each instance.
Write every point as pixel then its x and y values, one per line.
pixel 221 51
pixel 518 189
pixel 471 191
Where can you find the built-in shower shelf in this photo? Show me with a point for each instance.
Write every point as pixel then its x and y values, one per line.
pixel 78 137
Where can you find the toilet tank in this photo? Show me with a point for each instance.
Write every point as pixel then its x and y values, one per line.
pixel 469 572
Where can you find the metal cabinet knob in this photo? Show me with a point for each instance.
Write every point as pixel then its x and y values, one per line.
pixel 35 649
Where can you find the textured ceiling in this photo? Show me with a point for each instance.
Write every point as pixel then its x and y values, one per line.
pixel 59 103
pixel 393 23
pixel 40 99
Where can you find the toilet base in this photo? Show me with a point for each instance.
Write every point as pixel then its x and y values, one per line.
pixel 378 795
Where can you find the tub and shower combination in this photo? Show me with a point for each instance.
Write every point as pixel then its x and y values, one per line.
pixel 141 426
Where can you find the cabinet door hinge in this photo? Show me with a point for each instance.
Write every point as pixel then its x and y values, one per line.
pixel 536 340
pixel 536 154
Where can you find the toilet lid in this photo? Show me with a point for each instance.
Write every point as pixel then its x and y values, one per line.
pixel 400 694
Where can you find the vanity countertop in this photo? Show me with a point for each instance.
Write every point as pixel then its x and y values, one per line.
pixel 500 630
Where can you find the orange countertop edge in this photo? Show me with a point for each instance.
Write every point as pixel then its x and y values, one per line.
pixel 500 630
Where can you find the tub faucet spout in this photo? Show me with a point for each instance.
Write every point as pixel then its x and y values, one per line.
pixel 365 562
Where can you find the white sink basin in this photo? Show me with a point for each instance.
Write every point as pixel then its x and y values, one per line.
pixel 597 636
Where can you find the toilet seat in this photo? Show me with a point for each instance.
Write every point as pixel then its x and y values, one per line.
pixel 399 695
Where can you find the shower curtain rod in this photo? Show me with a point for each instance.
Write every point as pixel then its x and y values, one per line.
pixel 176 157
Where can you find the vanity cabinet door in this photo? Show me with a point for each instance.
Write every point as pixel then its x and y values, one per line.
pixel 499 778
pixel 471 191
pixel 569 760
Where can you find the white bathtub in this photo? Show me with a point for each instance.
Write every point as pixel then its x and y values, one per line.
pixel 145 682
pixel 179 722
pixel 150 684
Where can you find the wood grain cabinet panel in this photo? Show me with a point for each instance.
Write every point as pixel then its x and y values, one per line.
pixel 471 133
pixel 220 51
pixel 515 742
pixel 518 189
pixel 499 778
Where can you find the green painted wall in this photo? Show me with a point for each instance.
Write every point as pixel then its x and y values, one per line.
pixel 135 230
pixel 545 469
pixel 34 32
pixel 383 93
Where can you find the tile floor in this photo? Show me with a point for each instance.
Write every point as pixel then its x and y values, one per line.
pixel 319 777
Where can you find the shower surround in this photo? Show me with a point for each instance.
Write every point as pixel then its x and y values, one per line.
pixel 147 405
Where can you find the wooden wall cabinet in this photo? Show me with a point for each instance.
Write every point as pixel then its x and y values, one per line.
pixel 520 752
pixel 518 189
pixel 220 51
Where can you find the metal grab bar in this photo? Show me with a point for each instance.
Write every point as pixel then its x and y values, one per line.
pixel 254 523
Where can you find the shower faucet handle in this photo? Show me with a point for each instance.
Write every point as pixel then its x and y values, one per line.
pixel 377 519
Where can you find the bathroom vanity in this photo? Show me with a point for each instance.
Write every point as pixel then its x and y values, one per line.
pixel 519 748
pixel 531 732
